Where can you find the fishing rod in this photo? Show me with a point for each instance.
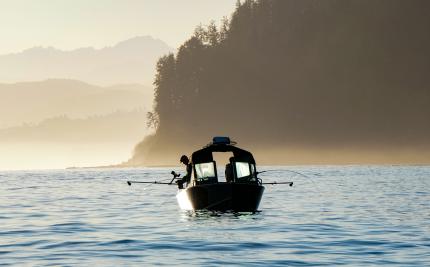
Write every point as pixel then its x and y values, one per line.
pixel 140 182
pixel 288 183
pixel 287 171
pixel 175 176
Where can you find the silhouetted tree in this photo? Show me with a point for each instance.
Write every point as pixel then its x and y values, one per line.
pixel 301 72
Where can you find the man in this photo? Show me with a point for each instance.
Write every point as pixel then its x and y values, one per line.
pixel 228 173
pixel 189 168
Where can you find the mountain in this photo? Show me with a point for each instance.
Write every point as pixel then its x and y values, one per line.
pixel 116 127
pixel 60 123
pixel 32 102
pixel 309 81
pixel 130 61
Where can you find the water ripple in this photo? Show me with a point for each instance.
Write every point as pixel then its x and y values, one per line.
pixel 341 215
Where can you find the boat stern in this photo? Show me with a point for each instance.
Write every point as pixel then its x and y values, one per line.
pixel 221 197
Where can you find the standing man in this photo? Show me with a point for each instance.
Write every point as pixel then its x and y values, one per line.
pixel 189 168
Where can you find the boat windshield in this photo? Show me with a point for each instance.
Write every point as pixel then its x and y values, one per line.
pixel 205 170
pixel 242 169
pixel 245 171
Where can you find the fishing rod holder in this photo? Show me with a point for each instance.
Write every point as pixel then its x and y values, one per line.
pixel 175 175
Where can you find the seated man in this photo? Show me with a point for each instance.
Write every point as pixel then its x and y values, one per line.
pixel 187 177
pixel 228 173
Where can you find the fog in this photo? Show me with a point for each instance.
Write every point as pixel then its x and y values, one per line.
pixel 292 81
pixel 62 155
pixel 300 82
pixel 63 123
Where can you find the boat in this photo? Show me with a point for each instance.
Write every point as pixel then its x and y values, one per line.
pixel 241 191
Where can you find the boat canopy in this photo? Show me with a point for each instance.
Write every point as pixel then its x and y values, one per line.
pixel 241 167
pixel 205 154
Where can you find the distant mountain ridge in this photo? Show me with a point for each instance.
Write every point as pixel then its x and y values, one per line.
pixel 32 102
pixel 129 61
pixel 116 127
pixel 59 123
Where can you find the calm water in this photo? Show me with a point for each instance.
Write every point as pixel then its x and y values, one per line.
pixel 353 215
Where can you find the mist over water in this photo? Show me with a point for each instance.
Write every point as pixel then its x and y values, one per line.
pixel 37 156
pixel 340 215
pixel 60 123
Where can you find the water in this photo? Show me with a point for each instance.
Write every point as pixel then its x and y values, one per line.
pixel 341 215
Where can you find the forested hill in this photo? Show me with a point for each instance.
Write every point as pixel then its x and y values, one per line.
pixel 300 81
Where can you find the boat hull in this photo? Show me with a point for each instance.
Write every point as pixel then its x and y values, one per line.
pixel 221 197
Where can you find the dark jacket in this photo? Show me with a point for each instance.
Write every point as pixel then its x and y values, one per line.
pixel 187 176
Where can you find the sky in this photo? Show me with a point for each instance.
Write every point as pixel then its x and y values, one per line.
pixel 71 24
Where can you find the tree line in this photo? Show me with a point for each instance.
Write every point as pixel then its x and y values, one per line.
pixel 310 73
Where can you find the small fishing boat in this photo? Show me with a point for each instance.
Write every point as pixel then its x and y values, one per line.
pixel 240 191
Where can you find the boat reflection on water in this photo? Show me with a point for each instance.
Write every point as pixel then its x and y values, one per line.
pixel 191 215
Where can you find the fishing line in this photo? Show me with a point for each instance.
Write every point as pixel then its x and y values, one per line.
pixel 274 183
pixel 296 172
pixel 316 186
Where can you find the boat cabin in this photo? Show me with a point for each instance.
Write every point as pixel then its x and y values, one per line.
pixel 240 168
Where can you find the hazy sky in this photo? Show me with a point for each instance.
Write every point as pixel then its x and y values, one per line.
pixel 69 24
